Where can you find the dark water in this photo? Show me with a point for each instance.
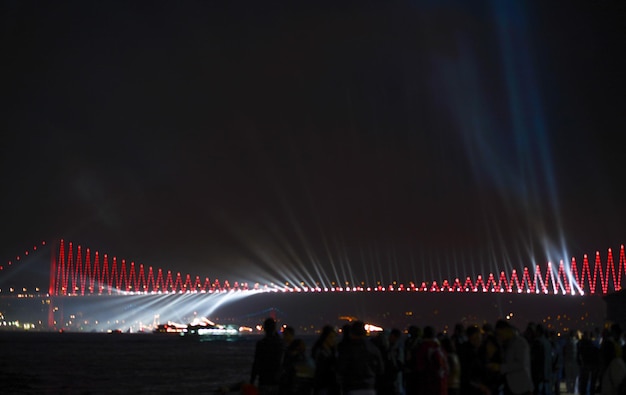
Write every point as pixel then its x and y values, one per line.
pixel 100 363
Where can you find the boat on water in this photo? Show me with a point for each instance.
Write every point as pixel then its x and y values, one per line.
pixel 201 328
pixel 170 328
pixel 212 330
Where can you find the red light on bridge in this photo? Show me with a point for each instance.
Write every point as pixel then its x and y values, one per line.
pixel 75 272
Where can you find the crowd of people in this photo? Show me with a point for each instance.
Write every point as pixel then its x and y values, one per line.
pixel 495 359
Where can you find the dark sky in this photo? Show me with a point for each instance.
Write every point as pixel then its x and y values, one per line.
pixel 363 140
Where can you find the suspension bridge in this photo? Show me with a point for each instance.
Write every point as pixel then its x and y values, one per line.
pixel 70 275
pixel 77 271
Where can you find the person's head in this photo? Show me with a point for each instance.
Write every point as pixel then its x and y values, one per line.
pixel 487 329
pixel 358 329
pixel 448 345
pixel 429 332
pixel 414 332
pixel 269 325
pixel 490 346
pixel 459 328
pixel 531 330
pixel 289 333
pixel 328 336
pixel 474 337
pixel 504 331
pixel 540 331
pixel 553 336
pixel 395 335
pixel 345 331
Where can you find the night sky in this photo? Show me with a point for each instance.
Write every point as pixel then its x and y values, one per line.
pixel 316 140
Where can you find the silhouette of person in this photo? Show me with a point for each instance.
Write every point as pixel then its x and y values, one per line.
pixel 359 363
pixel 458 336
pixel 268 359
pixel 490 352
pixel 345 335
pixel 289 334
pixel 411 343
pixel 299 370
pixel 515 365
pixel 396 359
pixel 473 367
pixel 431 366
pixel 570 361
pixel 589 362
pixel 324 353
pixel 390 346
pixel 454 364
pixel 540 359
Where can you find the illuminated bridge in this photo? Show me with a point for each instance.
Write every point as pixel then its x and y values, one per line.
pixel 76 271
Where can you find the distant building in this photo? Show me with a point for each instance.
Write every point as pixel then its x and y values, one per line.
pixel 616 307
